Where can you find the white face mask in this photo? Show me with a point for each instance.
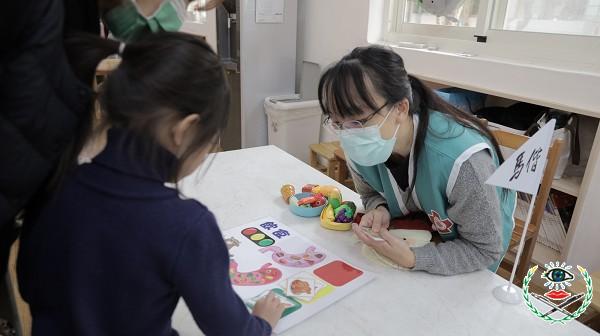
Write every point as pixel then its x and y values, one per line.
pixel 365 145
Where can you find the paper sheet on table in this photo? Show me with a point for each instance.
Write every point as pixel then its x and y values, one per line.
pixel 265 254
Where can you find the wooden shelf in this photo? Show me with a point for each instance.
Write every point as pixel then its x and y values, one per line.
pixel 568 184
pixel 541 255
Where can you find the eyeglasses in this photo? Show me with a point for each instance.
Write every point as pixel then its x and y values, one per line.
pixel 352 124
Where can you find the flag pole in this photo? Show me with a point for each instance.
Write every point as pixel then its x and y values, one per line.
pixel 507 293
pixel 538 147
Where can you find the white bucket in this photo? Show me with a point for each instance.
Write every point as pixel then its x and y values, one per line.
pixel 293 124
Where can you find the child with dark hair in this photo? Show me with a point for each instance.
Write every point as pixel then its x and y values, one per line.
pixel 111 249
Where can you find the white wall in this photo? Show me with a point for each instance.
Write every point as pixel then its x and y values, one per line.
pixel 268 67
pixel 584 233
pixel 207 29
pixel 329 29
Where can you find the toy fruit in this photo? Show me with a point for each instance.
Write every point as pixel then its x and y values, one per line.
pixel 305 209
pixel 338 218
pixel 316 200
pixel 335 202
pixel 328 191
pixel 345 212
pixel 287 191
pixel 315 196
pixel 309 187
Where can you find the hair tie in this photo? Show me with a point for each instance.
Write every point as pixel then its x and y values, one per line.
pixel 121 48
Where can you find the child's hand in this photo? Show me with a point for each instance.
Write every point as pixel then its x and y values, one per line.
pixel 394 248
pixel 269 309
pixel 377 219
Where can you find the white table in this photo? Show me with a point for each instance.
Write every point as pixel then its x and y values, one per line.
pixel 244 185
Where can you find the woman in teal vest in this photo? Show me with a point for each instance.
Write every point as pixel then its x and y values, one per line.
pixel 410 151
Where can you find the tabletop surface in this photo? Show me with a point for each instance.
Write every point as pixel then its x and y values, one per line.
pixel 241 186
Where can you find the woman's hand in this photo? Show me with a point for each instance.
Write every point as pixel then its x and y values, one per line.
pixel 269 308
pixel 377 219
pixel 394 248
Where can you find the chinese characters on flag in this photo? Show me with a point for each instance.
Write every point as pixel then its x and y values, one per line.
pixel 523 170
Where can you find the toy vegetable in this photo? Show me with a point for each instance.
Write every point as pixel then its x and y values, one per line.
pixel 314 201
pixel 345 212
pixel 287 191
pixel 338 217
pixel 328 191
pixel 308 187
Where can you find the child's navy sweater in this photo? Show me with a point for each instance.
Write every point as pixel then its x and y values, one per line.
pixel 114 250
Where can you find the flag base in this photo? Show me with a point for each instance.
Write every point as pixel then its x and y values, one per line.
pixel 508 294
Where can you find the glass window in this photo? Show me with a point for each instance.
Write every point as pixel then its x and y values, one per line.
pixel 458 13
pixel 576 17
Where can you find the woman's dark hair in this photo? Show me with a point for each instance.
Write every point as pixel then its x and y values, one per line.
pixel 162 77
pixel 345 91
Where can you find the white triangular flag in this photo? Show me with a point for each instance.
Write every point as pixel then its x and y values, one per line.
pixel 524 169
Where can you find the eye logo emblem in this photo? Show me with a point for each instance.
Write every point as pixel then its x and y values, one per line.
pixel 558 275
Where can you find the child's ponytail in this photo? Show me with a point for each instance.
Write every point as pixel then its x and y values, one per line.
pixel 162 76
pixel 84 52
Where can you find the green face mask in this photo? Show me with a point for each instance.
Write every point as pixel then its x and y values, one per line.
pixel 127 24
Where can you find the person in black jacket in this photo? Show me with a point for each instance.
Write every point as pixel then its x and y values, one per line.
pixel 81 16
pixel 41 101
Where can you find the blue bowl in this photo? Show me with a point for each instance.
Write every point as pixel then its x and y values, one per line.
pixel 303 211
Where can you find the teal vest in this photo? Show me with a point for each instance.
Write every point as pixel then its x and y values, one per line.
pixel 447 145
